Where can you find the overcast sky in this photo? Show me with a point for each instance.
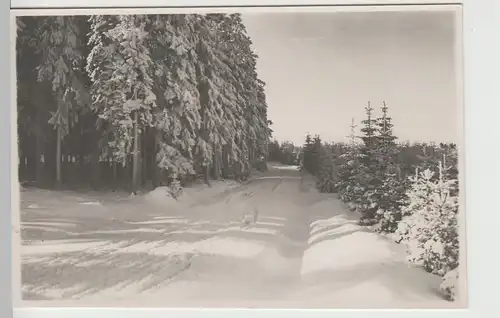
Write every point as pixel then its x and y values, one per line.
pixel 321 69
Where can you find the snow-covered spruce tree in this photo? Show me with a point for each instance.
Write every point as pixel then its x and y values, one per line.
pixel 264 132
pixel 287 153
pixel 252 131
pixel 429 228
pixel 450 161
pixel 177 120
pixel 32 105
pixel 175 188
pixel 327 175
pixel 26 78
pixel 391 197
pixel 348 188
pixel 120 68
pixel 219 105
pixel 258 133
pixel 386 141
pixel 391 194
pixel 307 154
pixel 348 165
pixel 369 176
pixel 99 69
pixel 229 44
pixel 315 155
pixel 61 47
pixel 431 155
pixel 275 151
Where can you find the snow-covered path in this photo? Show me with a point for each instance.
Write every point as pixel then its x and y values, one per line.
pixel 304 250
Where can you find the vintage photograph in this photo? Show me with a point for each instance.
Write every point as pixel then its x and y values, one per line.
pixel 240 158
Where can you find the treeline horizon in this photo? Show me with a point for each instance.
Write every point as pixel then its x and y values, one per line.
pixel 124 101
pixel 278 150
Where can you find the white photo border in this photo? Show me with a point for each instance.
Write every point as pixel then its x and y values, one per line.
pixel 481 99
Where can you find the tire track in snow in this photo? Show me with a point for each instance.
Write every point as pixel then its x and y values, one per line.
pixel 277 185
pixel 275 270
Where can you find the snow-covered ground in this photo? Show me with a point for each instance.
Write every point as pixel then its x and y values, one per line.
pixel 272 242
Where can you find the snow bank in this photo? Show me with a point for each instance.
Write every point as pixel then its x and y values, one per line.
pixel 203 190
pixel 449 284
pixel 190 195
pixel 34 206
pixel 256 174
pixel 338 242
pixel 322 224
pixel 62 246
pixel 162 196
pixel 345 262
pixel 347 248
pixel 286 167
pixel 44 224
pixel 91 203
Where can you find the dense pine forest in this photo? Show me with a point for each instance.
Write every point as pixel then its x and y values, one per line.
pixel 131 101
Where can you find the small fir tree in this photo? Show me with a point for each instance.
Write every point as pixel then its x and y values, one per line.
pixel 390 195
pixel 307 154
pixel 348 169
pixel 327 175
pixel 429 228
pixel 369 175
pixel 315 155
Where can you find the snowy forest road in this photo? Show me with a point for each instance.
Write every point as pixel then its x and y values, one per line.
pixel 272 242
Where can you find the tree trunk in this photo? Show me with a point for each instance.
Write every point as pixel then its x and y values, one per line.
pixel 206 173
pixel 251 156
pixel 21 161
pixel 154 163
pixel 144 157
pixel 217 163
pixel 39 150
pixel 95 169
pixel 82 167
pixel 136 156
pixel 58 157
pixel 115 175
pixel 225 161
